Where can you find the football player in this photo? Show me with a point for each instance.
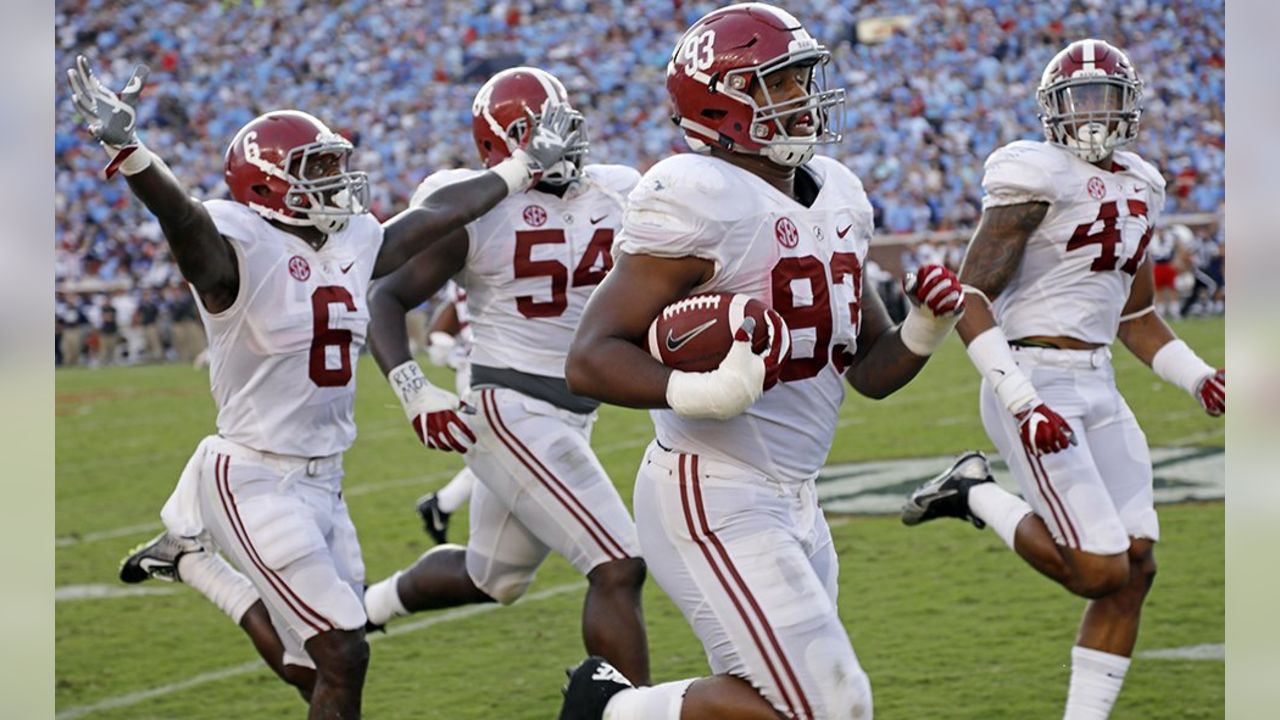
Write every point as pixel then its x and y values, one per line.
pixel 725 501
pixel 528 266
pixel 280 273
pixel 449 343
pixel 1057 270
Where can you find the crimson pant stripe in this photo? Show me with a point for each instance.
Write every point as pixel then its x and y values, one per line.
pixel 548 480
pixel 222 479
pixel 701 534
pixel 1050 497
pixel 1066 515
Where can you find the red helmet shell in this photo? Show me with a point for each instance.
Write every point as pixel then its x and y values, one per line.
pixel 506 99
pixel 265 169
pixel 711 71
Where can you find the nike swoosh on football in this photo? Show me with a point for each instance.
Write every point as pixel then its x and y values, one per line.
pixel 596 220
pixel 675 343
pixel 348 267
pixel 845 231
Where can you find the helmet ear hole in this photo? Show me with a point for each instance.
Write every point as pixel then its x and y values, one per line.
pixel 261 191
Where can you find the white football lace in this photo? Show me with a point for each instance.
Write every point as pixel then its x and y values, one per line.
pixel 692 303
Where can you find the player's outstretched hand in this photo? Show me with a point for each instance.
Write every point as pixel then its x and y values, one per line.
pixel 550 136
pixel 728 390
pixel 111 118
pixel 1212 393
pixel 1042 430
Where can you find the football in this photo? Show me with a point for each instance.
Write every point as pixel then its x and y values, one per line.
pixel 694 334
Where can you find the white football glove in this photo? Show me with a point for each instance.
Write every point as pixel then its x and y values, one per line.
pixel 432 411
pixel 545 145
pixel 111 117
pixel 726 391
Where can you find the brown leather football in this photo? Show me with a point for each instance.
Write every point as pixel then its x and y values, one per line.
pixel 694 334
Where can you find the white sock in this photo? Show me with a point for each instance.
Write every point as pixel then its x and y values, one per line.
pixel 214 578
pixel 457 492
pixel 660 702
pixel 1096 678
pixel 999 508
pixel 382 601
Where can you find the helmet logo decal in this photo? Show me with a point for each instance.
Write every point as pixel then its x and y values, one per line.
pixel 698 54
pixel 535 215
pixel 299 268
pixel 253 155
pixel 786 232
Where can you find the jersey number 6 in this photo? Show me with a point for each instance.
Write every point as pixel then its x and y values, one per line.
pixel 323 337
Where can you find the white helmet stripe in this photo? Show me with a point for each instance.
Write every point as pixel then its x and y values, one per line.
pixel 548 86
pixel 1088 56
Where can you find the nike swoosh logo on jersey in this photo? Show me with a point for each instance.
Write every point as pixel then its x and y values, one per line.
pixel 675 343
pixel 596 220
pixel 348 267
pixel 843 231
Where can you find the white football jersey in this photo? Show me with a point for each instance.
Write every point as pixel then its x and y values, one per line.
pixel 533 261
pixel 282 358
pixel 804 262
pixel 1079 263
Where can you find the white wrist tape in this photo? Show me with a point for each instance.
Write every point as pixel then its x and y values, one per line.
pixel 1178 364
pixel 138 159
pixel 408 382
pixel 722 393
pixel 991 355
pixel 514 171
pixel 922 332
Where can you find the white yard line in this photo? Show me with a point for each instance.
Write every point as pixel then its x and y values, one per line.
pixel 463 613
pixel 103 592
pixel 1207 651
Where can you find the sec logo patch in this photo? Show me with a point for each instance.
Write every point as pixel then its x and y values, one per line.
pixel 1097 189
pixel 535 215
pixel 786 232
pixel 299 268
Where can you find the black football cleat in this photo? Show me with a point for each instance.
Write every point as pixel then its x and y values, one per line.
pixel 591 685
pixel 157 558
pixel 434 520
pixel 947 495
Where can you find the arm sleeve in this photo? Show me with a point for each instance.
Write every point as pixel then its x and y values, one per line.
pixel 1016 175
pixel 666 217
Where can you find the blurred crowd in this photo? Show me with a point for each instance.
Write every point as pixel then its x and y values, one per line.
pixel 927 101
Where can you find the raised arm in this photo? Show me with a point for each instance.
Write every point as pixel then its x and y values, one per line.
pixel 206 259
pixel 1153 342
pixel 453 206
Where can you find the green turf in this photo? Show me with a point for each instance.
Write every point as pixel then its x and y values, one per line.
pixel 946 621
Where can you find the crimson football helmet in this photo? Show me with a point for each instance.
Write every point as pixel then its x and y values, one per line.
pixel 275 166
pixel 1090 99
pixel 501 113
pixel 722 57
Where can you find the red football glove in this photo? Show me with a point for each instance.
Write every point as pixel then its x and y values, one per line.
pixel 1212 393
pixel 1043 430
pixel 936 288
pixel 444 430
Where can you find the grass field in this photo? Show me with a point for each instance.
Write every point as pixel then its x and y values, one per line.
pixel 947 622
